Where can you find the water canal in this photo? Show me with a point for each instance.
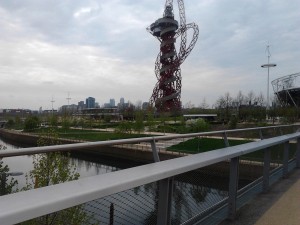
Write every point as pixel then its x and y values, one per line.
pixel 86 166
pixel 136 206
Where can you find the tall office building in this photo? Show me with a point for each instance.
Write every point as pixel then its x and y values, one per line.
pixel 90 102
pixel 122 101
pixel 112 102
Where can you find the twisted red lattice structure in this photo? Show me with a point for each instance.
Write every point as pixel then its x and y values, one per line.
pixel 167 91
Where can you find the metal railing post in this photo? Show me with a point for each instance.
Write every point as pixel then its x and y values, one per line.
pixel 225 139
pixel 266 171
pixel 286 159
pixel 261 134
pixel 154 151
pixel 280 131
pixel 165 201
pixel 233 187
pixel 298 153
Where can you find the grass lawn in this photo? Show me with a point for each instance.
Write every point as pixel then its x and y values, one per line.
pixel 198 145
pixel 92 135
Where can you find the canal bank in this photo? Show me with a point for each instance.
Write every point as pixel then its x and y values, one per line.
pixel 133 152
pixel 137 153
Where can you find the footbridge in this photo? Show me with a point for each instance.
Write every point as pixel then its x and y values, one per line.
pixel 164 192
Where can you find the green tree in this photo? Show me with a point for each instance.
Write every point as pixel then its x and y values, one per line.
pixel 31 123
pixel 124 127
pixel 139 122
pixel 49 169
pixel 233 122
pixel 53 120
pixel 6 186
pixel 107 118
pixel 18 121
pixel 65 123
pixel 150 121
pixel 163 119
pixel 10 123
pixel 199 125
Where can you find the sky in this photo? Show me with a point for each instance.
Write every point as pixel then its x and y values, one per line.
pixel 53 49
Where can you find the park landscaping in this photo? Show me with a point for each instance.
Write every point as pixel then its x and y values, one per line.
pixel 90 135
pixel 198 145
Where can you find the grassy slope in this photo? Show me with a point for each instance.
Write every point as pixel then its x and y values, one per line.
pixel 92 135
pixel 198 145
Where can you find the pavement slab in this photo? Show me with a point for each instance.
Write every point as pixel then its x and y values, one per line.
pixel 279 206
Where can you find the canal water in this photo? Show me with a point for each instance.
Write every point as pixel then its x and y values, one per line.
pixel 135 206
pixel 86 165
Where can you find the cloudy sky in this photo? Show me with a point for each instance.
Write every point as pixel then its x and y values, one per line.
pixel 101 48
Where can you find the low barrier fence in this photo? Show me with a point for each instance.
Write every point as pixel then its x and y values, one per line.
pixel 203 188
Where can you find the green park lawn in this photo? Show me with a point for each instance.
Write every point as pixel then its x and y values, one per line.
pixel 198 145
pixel 92 135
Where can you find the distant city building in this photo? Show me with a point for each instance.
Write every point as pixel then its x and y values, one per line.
pixel 112 102
pixel 121 104
pixel 106 105
pixel 102 113
pixel 68 108
pixel 17 112
pixel 90 103
pixel 81 106
pixel 122 101
pixel 50 111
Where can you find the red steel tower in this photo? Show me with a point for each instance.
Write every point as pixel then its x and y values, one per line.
pixel 167 91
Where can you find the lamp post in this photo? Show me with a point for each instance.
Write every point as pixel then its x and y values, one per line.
pixel 268 65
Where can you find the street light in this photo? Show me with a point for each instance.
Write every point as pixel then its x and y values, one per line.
pixel 268 65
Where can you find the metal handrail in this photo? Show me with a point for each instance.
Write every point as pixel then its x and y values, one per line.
pixel 76 146
pixel 30 204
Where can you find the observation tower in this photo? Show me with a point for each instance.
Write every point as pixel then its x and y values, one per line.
pixel 167 91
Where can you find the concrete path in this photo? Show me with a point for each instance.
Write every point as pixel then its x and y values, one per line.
pixel 286 210
pixel 280 206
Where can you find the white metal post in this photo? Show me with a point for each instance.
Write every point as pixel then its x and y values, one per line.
pixel 165 201
pixel 298 153
pixel 233 187
pixel 286 159
pixel 266 170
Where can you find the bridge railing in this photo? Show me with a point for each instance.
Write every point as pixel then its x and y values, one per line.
pixel 206 187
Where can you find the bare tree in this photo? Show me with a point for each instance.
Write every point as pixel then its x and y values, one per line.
pixel 260 99
pixel 240 98
pixel 189 105
pixel 203 104
pixel 250 97
pixel 223 104
pixel 228 99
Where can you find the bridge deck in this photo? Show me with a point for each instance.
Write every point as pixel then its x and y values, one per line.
pixel 286 210
pixel 281 205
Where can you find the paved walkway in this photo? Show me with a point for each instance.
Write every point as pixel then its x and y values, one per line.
pixel 280 206
pixel 286 210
